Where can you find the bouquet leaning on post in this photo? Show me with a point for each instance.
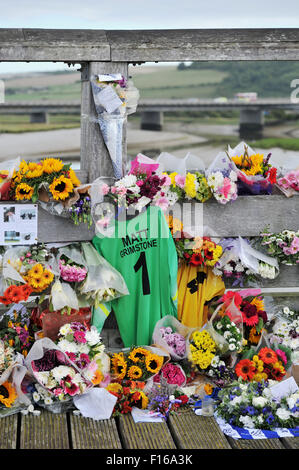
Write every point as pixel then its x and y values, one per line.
pixel 255 174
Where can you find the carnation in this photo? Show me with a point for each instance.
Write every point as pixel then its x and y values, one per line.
pixel 283 414
pixel 259 401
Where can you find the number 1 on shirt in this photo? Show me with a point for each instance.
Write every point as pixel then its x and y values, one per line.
pixel 141 263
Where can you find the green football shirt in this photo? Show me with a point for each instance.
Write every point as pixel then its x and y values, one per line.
pixel 143 251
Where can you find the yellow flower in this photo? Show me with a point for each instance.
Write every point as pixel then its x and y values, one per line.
pixel 153 363
pixel 36 271
pixel 114 387
pixel 73 177
pixel 190 187
pixel 47 276
pixel 61 188
pixel 138 354
pixel 172 177
pixel 119 365
pixel 258 302
pixel 23 191
pixel 35 170
pixel 52 165
pixel 8 394
pixel 134 372
pixel 143 398
pixel 38 284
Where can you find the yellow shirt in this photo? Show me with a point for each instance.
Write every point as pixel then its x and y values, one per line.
pixel 196 286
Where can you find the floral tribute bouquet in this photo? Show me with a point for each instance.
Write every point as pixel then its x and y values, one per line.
pixel 221 178
pixel 85 349
pixel 284 245
pixel 173 374
pixel 48 180
pixel 266 364
pixel 241 264
pixel 165 401
pixel 289 183
pixel 250 305
pixel 7 170
pixel 54 371
pixel 140 363
pixel 129 393
pixel 171 335
pixel 255 174
pixel 252 405
pixel 189 186
pixel 80 210
pixel 71 271
pixel 16 331
pixel 198 251
pixel 32 266
pixel 7 354
pixel 284 332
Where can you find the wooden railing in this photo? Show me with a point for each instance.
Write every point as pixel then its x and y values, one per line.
pixel 111 51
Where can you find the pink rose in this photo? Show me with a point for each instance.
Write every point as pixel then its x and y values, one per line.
pixel 105 189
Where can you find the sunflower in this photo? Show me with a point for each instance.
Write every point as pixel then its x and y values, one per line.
pixel 8 394
pixel 35 170
pixel 258 302
pixel 268 356
pixel 119 365
pixel 140 399
pixel 73 177
pixel 245 369
pixel 134 372
pixel 254 336
pixel 138 355
pixel 52 165
pixel 153 363
pixel 61 188
pixel 36 271
pixel 23 191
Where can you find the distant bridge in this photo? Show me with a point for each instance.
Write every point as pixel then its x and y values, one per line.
pixel 151 110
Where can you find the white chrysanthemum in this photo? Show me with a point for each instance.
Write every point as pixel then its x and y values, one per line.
pixel 227 334
pixel 92 336
pixel 127 181
pixel 219 325
pixel 236 400
pixel 62 371
pixel 259 401
pixel 286 310
pixel 247 421
pixel 48 401
pixel 43 377
pixel 65 329
pixel 232 347
pixel 283 414
pixel 239 268
pixel 83 348
pixel 68 346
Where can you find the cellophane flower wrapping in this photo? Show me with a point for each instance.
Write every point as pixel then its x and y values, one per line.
pixel 248 262
pixel 11 379
pixel 289 183
pixel 252 183
pixel 222 177
pixel 171 335
pixel 51 368
pixel 103 282
pixel 7 169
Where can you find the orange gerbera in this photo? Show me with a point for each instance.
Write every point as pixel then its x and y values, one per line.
pixel 245 369
pixel 98 377
pixel 268 356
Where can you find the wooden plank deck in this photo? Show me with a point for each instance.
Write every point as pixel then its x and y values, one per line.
pixel 183 430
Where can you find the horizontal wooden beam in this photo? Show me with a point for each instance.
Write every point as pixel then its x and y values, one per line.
pixel 133 46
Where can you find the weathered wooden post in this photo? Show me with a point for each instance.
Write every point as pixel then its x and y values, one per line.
pixel 94 155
